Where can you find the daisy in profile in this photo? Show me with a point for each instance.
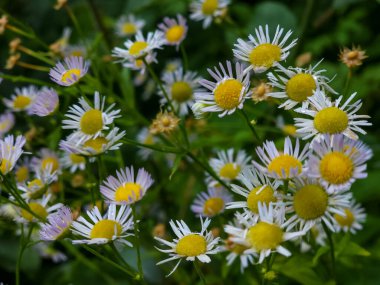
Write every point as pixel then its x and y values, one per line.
pixel 46 158
pixel 180 87
pixel 338 161
pixel 97 229
pixel 330 117
pixel 262 53
pixel 75 50
pixel 297 84
pixel 189 245
pixel 46 103
pixel 22 99
pixel 288 129
pixel 94 146
pixel 58 224
pixel 73 161
pixel 208 10
pixel 229 164
pixel 282 164
pixel 257 188
pixel 174 30
pixel 265 235
pixel 227 93
pixel 145 137
pixel 312 204
pixel 89 122
pixel 10 152
pixel 128 26
pixel 352 220
pixel 7 121
pixel 211 203
pixel 125 188
pixel 70 71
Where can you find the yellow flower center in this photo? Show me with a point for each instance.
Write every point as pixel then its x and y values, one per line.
pixel 77 159
pixel 213 206
pixel 38 188
pixel 91 122
pixel 289 130
pixel 265 55
pixel 175 33
pixel 310 202
pixel 260 90
pixel 227 94
pixel 76 53
pixel 137 47
pixel 71 75
pixel 35 183
pixel 181 91
pixel 238 248
pixel 36 208
pixel 209 6
pixel 265 196
pixel 264 236
pixel 53 161
pixel 105 229
pixel 22 174
pixel 96 144
pixel 331 120
pixel 229 171
pixel 336 167
pixel 128 191
pixel 129 29
pixel 347 220
pixel 139 63
pixel 191 245
pixel 21 102
pixel 284 163
pixel 5 166
pixel 300 86
pixel 353 54
pixel 149 139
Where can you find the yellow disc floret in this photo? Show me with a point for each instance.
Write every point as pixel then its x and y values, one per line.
pixel 229 171
pixel 336 167
pixel 181 91
pixel 289 130
pixel 310 202
pixel 137 47
pixel 264 55
pixel 105 229
pixel 175 33
pixel 213 206
pixel 70 75
pixel 347 220
pixel 96 144
pixel 300 86
pixel 22 174
pixel 191 245
pixel 21 102
pixel 91 122
pixel 209 7
pixel 36 208
pixel 284 163
pixel 264 236
pixel 50 162
pixel 77 159
pixel 5 166
pixel 331 120
pixel 128 192
pixel 265 196
pixel 129 29
pixel 227 94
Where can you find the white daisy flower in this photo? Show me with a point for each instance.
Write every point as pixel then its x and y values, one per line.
pixel 208 10
pixel 172 65
pixel 74 50
pixel 228 92
pixel 311 204
pixel 7 121
pixel 45 103
pixel 124 188
pixel 129 25
pixel 338 161
pixel 10 152
pixel 73 161
pixel 297 84
pixel 70 71
pixel 94 146
pixel 352 220
pixel 46 158
pixel 145 137
pixel 260 52
pixel 174 30
pixel 264 235
pixel 58 224
pixel 22 99
pixel 282 165
pixel 229 164
pixel 180 87
pixel 330 117
pixel 288 129
pixel 189 245
pixel 22 170
pixel 257 188
pixel 211 203
pixel 113 226
pixel 89 122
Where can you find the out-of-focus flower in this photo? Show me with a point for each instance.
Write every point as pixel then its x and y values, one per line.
pixel 22 99
pixel 211 203
pixel 164 123
pixel 174 30
pixel 12 61
pixel 59 4
pixel 7 121
pixel 58 224
pixel 352 57
pixel 46 102
pixel 14 44
pixel 10 152
pixel 3 23
pixel 208 10
pixel 260 92
pixel 128 26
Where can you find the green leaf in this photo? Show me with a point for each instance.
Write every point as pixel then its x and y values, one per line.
pixel 320 252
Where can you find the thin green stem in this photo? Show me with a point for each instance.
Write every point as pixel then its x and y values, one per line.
pixel 251 127
pixel 23 246
pixel 74 20
pixel 137 239
pixel 332 251
pixel 347 83
pixel 199 272
pixel 184 58
pixel 154 147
